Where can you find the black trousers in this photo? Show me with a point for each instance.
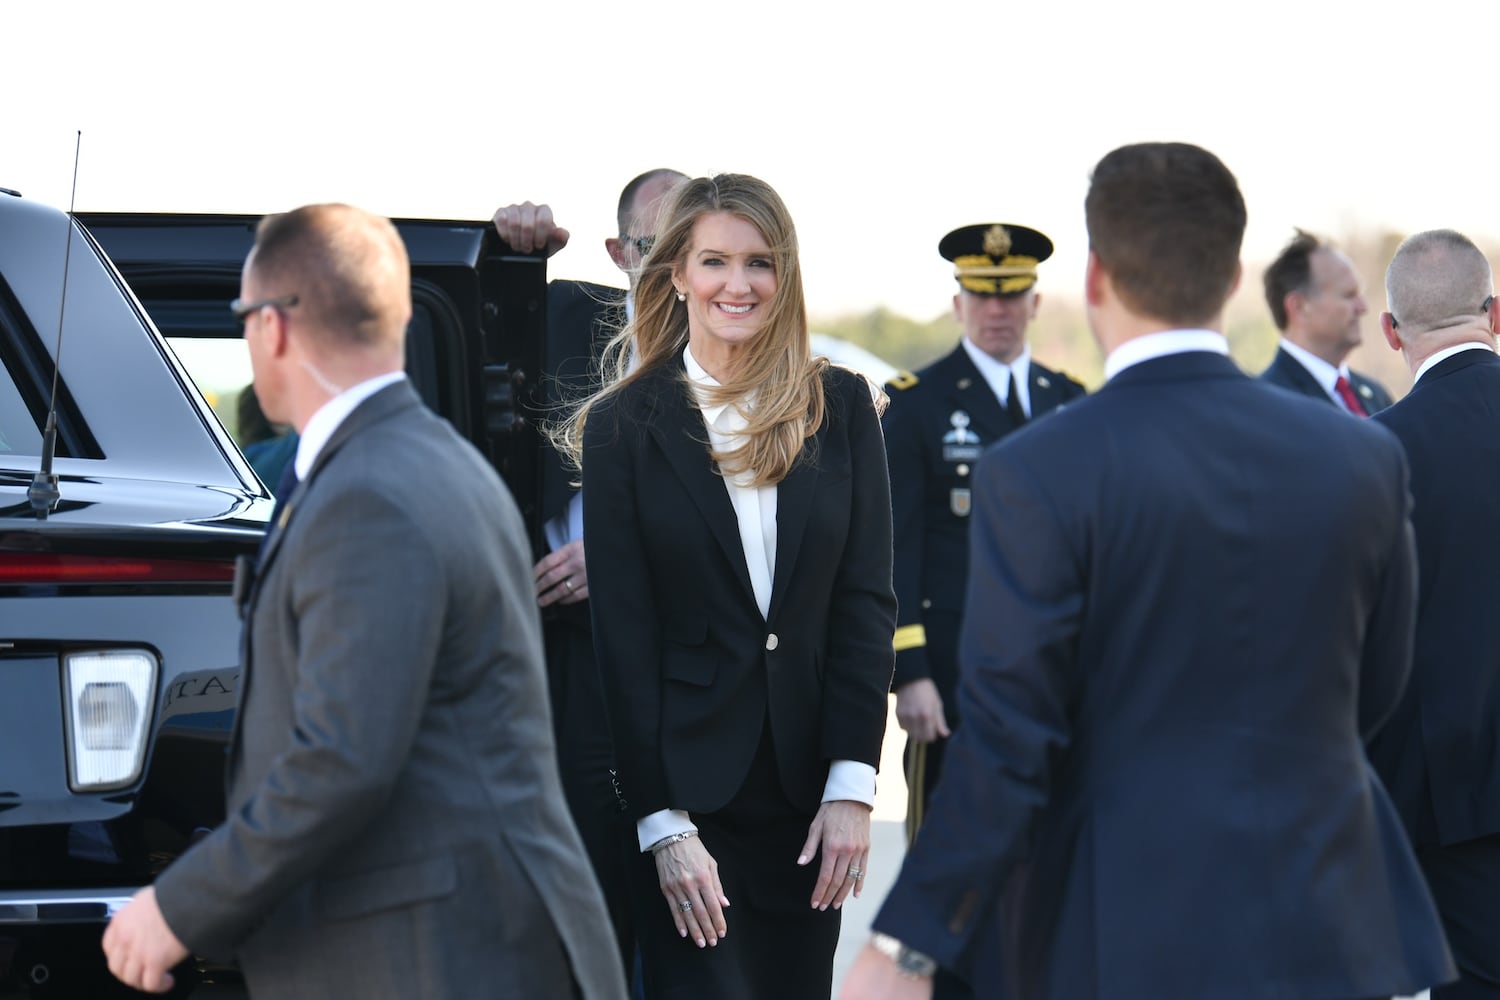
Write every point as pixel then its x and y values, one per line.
pixel 1465 883
pixel 585 756
pixel 777 947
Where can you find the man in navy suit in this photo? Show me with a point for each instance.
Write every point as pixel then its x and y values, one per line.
pixel 1191 600
pixel 1316 301
pixel 1440 754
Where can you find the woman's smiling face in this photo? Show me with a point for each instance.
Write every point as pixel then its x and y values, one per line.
pixel 729 278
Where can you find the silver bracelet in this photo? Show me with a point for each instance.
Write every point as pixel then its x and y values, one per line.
pixel 675 838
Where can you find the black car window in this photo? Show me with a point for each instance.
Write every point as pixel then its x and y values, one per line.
pixel 18 431
pixel 214 354
pixel 26 390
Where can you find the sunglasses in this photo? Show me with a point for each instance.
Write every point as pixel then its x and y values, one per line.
pixel 244 310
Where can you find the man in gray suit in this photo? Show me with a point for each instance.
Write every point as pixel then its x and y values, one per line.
pixel 396 826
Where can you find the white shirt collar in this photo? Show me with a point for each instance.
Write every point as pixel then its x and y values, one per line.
pixel 1157 345
pixel 1326 374
pixel 997 373
pixel 330 415
pixel 1447 353
pixel 699 376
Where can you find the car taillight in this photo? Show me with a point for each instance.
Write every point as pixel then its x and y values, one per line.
pixel 110 697
pixel 55 568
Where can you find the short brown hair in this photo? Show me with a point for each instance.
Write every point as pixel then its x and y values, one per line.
pixel 1166 219
pixel 347 267
pixel 1290 272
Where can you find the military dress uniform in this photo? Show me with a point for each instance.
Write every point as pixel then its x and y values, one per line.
pixel 938 422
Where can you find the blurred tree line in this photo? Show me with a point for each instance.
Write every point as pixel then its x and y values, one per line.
pixel 1060 336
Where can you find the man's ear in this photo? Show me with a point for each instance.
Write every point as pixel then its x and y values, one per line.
pixel 1393 335
pixel 278 339
pixel 1094 280
pixel 616 251
pixel 958 306
pixel 1291 302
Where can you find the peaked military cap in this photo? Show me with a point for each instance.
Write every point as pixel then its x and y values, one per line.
pixel 995 258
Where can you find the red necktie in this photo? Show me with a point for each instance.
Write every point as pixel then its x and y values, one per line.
pixel 1351 401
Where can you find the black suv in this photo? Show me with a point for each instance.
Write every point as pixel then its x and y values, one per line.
pixel 118 635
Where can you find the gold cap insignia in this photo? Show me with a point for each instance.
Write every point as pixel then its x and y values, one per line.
pixel 996 241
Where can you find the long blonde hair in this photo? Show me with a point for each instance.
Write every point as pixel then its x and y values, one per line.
pixel 776 369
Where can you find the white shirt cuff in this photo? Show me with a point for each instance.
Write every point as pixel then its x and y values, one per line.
pixel 566 526
pixel 664 823
pixel 852 780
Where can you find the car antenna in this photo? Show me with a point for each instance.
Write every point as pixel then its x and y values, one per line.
pixel 43 492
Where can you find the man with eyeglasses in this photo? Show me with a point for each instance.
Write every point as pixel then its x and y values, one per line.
pixel 581 318
pixel 1315 298
pixel 1440 754
pixel 395 825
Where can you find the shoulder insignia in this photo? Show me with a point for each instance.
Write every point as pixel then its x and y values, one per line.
pixel 902 380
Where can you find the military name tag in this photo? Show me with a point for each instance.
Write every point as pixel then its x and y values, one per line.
pixel 960 444
pixel 959 501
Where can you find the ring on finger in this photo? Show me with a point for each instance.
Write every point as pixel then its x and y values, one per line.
pixel 855 873
pixel 568 582
pixel 685 906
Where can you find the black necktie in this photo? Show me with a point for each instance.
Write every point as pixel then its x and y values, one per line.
pixel 1013 403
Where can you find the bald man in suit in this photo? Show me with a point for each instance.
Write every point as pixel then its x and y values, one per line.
pixel 395 825
pixel 1440 754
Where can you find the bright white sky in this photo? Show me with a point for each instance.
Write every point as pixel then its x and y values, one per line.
pixel 882 124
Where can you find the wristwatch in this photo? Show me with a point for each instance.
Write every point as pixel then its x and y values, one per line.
pixel 908 961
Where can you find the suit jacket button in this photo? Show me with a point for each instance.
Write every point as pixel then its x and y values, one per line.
pixel 772 642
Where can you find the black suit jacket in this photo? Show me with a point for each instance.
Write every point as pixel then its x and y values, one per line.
pixel 931 486
pixel 690 667
pixel 1440 756
pixel 1197 597
pixel 581 318
pixel 1289 373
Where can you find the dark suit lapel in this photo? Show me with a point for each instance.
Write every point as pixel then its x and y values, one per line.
pixel 389 400
pixel 1046 390
pixel 679 431
pixel 1296 373
pixel 794 496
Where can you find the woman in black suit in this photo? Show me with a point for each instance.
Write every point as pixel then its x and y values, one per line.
pixel 737 511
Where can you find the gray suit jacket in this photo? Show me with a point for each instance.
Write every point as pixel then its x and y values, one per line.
pixel 396 826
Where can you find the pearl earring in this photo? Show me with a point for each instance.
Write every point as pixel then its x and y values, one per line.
pixel 682 296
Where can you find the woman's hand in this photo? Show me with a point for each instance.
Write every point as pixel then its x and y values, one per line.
pixel 690 882
pixel 561 576
pixel 841 830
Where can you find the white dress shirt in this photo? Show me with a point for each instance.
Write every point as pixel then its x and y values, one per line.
pixel 997 375
pixel 755 510
pixel 327 418
pixel 1326 375
pixel 1446 353
pixel 1159 345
